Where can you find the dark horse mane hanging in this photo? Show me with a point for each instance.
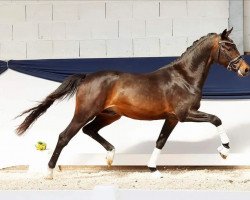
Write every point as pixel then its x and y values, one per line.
pixel 172 92
pixel 196 44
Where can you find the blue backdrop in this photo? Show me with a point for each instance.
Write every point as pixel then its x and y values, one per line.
pixel 221 84
pixel 3 66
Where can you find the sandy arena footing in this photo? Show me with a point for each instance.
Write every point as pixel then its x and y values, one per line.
pixel 175 178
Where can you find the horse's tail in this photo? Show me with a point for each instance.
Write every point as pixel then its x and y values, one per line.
pixel 66 89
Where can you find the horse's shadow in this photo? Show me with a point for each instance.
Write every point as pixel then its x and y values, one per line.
pixel 239 142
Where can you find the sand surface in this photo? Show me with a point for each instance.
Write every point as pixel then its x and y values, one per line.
pixel 192 178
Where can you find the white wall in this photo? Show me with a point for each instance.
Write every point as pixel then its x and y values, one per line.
pixel 73 29
pixel 246 25
pixel 189 144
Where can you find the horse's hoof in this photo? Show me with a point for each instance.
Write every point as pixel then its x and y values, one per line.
pixel 224 152
pixel 110 157
pixel 58 168
pixel 223 156
pixel 49 175
pixel 156 174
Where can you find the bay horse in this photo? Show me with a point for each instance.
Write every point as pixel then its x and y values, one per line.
pixel 172 92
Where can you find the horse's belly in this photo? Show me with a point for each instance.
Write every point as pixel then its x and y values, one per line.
pixel 141 113
pixel 138 104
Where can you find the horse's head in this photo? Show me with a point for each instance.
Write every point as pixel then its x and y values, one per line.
pixel 228 55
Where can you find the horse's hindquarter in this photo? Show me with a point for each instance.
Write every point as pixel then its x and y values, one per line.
pixel 139 96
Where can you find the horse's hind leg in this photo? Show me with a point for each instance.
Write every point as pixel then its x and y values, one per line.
pixel 98 123
pixel 166 130
pixel 75 125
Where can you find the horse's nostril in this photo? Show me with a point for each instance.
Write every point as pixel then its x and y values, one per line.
pixel 246 70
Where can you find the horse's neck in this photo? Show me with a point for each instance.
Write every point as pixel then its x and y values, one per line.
pixel 195 66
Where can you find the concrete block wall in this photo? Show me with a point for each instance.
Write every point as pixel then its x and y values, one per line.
pixel 90 29
pixel 247 26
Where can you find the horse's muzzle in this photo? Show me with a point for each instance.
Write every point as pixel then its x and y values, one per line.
pixel 243 69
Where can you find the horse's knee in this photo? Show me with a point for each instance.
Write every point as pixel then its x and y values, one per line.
pixel 215 120
pixel 160 143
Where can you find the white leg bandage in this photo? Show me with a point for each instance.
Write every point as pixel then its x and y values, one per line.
pixel 152 164
pixel 153 158
pixel 223 136
pixel 224 140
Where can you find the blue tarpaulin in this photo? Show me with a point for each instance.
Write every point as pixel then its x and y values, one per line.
pixel 221 84
pixel 3 66
pixel 59 69
pixel 224 84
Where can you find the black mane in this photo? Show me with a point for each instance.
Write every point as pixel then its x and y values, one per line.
pixel 195 44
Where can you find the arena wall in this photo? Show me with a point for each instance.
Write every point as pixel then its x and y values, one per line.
pixel 189 144
pixel 73 29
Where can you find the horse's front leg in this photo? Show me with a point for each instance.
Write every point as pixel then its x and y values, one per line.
pixel 167 128
pixel 197 116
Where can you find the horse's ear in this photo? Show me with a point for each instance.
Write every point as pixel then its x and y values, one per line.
pixel 224 34
pixel 228 32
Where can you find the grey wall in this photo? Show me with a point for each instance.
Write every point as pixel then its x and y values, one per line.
pixel 236 21
pixel 74 29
